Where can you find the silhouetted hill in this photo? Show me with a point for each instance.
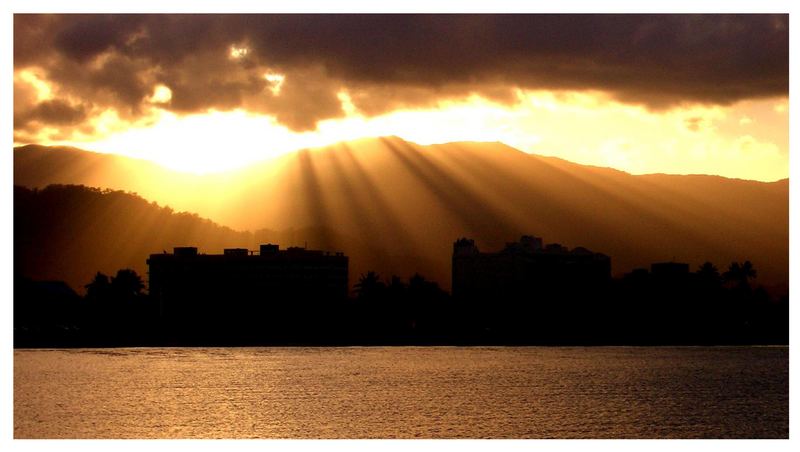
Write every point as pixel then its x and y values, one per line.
pixel 398 206
pixel 68 232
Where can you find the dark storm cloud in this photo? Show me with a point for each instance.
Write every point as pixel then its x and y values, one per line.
pixel 54 112
pixel 84 37
pixel 391 61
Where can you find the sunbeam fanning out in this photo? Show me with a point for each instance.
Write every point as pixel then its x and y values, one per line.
pixel 228 100
pixel 391 200
pixel 580 128
pixel 294 225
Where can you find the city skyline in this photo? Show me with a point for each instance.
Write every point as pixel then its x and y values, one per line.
pixel 477 220
pixel 528 293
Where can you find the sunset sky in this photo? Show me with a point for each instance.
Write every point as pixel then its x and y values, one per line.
pixel 203 93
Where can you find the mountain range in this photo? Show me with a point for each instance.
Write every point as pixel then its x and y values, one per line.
pixel 396 207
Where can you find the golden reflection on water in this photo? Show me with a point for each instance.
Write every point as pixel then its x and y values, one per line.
pixel 403 392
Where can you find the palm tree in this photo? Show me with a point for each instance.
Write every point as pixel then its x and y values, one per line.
pixel 740 274
pixel 369 286
pixel 708 274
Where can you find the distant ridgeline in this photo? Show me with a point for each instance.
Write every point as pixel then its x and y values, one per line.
pixel 527 293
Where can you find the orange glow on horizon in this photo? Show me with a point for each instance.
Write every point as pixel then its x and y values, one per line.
pixel 747 140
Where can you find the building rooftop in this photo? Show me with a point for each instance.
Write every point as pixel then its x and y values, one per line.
pixel 266 251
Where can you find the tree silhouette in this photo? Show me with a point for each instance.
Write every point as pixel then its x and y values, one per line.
pixel 127 285
pixel 99 290
pixel 421 289
pixel 369 286
pixel 708 274
pixel 396 289
pixel 740 274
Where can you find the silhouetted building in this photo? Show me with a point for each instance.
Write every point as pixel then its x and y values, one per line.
pixel 240 282
pixel 525 269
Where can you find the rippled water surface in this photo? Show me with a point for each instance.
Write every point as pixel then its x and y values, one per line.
pixel 403 392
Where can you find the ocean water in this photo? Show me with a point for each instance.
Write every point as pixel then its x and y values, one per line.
pixel 403 392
